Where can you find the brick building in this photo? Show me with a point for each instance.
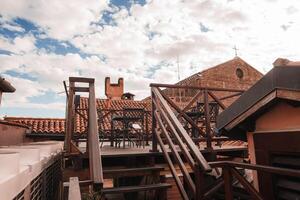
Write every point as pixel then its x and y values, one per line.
pixel 232 74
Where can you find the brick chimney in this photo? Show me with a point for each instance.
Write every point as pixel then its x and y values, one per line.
pixel 114 90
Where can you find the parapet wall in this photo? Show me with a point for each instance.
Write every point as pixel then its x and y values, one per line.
pixel 31 170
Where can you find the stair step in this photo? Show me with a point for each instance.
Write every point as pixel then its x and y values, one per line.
pixel 127 189
pixel 127 172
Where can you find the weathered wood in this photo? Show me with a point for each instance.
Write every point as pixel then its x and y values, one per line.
pixel 172 168
pixel 140 171
pixel 177 138
pixel 207 121
pixel 81 79
pixel 217 100
pixel 81 89
pixel 217 186
pixel 263 168
pixel 176 155
pixel 194 87
pixel 183 114
pixel 127 189
pixel 250 189
pixel 69 118
pixel 93 140
pixel 227 183
pixel 188 140
pixel 154 139
pixel 74 189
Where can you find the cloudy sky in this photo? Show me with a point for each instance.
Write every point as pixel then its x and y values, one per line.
pixel 44 42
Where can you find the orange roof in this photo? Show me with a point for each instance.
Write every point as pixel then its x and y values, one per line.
pixel 41 125
pixel 57 125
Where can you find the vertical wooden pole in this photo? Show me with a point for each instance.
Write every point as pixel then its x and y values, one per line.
pixel 154 139
pixel 93 140
pixel 69 117
pixel 199 182
pixel 207 121
pixel 227 183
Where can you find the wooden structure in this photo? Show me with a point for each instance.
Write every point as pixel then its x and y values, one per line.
pixel 267 116
pixel 93 148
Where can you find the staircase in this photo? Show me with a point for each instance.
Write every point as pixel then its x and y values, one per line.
pixel 133 178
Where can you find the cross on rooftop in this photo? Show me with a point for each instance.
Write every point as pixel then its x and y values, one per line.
pixel 235 50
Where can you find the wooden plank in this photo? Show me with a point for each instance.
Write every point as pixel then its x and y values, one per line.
pixel 81 79
pixel 185 136
pixel 69 118
pixel 186 117
pixel 81 89
pixel 248 187
pixel 74 189
pixel 207 121
pixel 217 100
pixel 93 140
pixel 176 155
pixel 127 189
pixel 140 171
pixel 194 87
pixel 227 183
pixel 177 138
pixel 172 168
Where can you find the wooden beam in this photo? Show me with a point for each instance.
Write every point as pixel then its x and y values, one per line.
pixel 69 118
pixel 185 136
pixel 81 79
pixel 74 189
pixel 250 189
pixel 194 87
pixel 81 89
pixel 217 100
pixel 93 141
pixel 227 183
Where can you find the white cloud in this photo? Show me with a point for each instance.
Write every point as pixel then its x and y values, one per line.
pixel 148 38
pixel 60 19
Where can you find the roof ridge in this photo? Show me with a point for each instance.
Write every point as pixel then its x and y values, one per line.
pixel 35 118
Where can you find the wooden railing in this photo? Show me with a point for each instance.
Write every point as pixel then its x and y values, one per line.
pixel 164 122
pixel 166 126
pixel 93 147
pixel 231 172
pixel 205 95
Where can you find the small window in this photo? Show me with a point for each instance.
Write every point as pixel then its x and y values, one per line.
pixel 239 73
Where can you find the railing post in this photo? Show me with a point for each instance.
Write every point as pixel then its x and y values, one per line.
pixel 207 121
pixel 227 183
pixel 153 108
pixel 199 182
pixel 93 140
pixel 69 117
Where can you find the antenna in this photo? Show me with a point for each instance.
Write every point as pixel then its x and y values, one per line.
pixel 178 68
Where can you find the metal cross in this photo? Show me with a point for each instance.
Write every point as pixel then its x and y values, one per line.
pixel 235 50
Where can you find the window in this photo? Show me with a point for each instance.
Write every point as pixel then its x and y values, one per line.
pixel 239 73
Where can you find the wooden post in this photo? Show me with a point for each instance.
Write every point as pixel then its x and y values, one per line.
pixel 227 183
pixel 93 140
pixel 69 117
pixel 199 182
pixel 74 189
pixel 154 139
pixel 207 121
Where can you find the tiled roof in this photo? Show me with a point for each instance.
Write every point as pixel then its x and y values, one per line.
pixel 41 125
pixel 11 123
pixel 105 105
pixel 57 125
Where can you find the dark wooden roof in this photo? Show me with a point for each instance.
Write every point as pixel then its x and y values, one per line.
pixel 5 86
pixel 284 78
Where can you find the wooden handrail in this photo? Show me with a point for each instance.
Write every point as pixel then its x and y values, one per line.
pixel 188 140
pixel 156 85
pixel 263 168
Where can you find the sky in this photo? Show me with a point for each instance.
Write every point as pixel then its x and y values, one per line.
pixel 42 43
